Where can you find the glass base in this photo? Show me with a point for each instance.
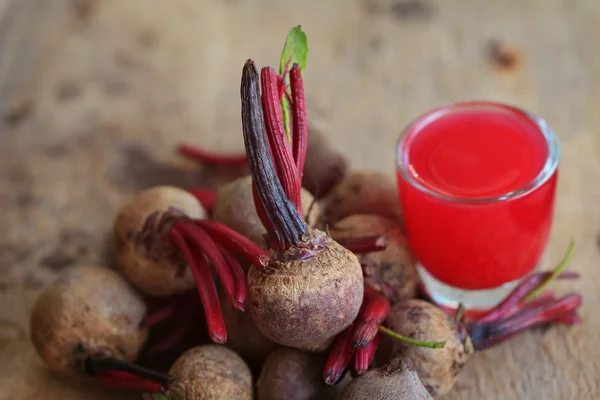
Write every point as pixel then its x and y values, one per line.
pixel 450 297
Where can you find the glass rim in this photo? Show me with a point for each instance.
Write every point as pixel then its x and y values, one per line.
pixel 545 173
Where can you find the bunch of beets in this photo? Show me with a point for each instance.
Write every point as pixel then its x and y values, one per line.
pixel 317 294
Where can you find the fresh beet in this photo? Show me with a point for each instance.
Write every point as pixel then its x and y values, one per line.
pixel 312 287
pixel 164 246
pixel 234 207
pixel 423 321
pixel 392 270
pixel 211 372
pixel 362 192
pixel 291 374
pixel 88 321
pixel 325 167
pixel 437 368
pixel 393 381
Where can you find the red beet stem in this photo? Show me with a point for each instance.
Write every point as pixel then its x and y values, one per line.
pixel 363 356
pixel 124 380
pixel 226 236
pixel 368 244
pixel 373 312
pixel 299 124
pixel 205 244
pixel 280 150
pixel 527 286
pixel 340 355
pixel 206 288
pixel 285 225
pixel 208 157
pixel 238 275
pixel 206 197
pixel 97 366
pixel 488 334
pixel 172 338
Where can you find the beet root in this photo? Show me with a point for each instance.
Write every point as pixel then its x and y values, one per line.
pixel 362 192
pixel 420 320
pixel 162 270
pixel 305 303
pixel 87 312
pixel 391 271
pixel 290 374
pixel 393 381
pixel 235 208
pixel 325 167
pixel 212 372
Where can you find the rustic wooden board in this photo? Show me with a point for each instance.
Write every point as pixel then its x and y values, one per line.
pixel 96 94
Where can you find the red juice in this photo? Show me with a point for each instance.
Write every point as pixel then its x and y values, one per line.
pixel 477 184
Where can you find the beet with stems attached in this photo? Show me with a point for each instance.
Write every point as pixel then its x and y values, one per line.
pixel 439 368
pixel 88 322
pixel 164 245
pixel 362 192
pixel 234 207
pixel 291 374
pixel 211 372
pixel 390 269
pixel 312 287
pixel 393 381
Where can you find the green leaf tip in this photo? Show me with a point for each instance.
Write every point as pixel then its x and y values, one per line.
pixel 555 272
pixel 415 342
pixel 295 51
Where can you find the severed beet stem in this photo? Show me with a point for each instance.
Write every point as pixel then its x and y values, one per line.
pixel 199 154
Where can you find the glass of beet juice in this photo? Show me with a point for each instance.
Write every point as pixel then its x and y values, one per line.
pixel 477 183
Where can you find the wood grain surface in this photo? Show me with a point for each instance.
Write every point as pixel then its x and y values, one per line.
pixel 95 95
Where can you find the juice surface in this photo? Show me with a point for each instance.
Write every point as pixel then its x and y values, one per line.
pixel 477 154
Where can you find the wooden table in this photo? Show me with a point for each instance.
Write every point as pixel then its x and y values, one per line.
pixel 95 95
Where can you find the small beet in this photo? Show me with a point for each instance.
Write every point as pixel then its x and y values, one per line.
pixel 212 372
pixel 291 374
pixel 362 192
pixel 165 246
pixel 88 322
pixel 418 319
pixel 312 288
pixel 393 381
pixel 392 271
pixel 162 271
pixel 325 167
pixel 87 311
pixel 234 207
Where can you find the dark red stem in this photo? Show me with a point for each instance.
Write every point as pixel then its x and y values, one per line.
pixel 363 245
pixel 208 157
pixel 238 242
pixel 528 285
pixel 162 314
pixel 206 197
pixel 280 148
pixel 238 275
pixel 340 355
pixel 363 356
pixel 373 312
pixel 285 225
pixel 120 374
pixel 124 380
pixel 299 124
pixel 205 244
pixel 488 334
pixel 206 288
